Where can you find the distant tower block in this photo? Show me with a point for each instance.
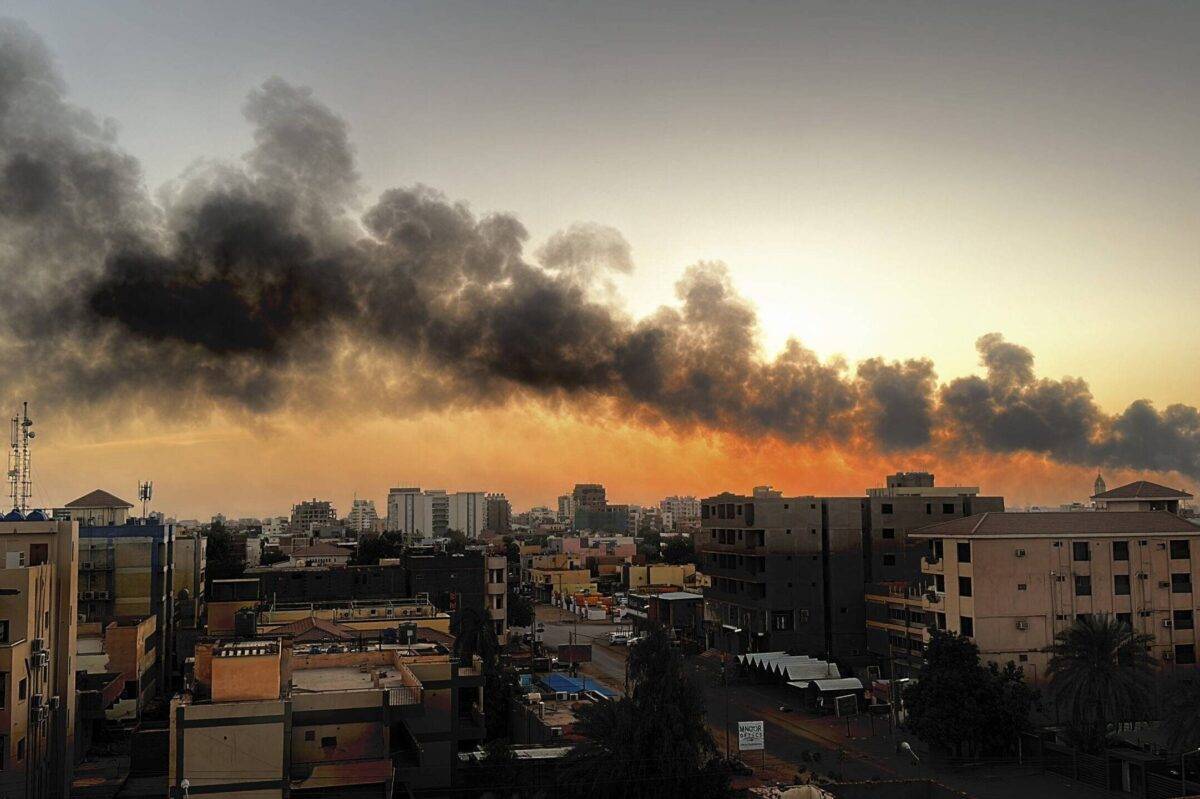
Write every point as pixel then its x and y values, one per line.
pixel 1099 487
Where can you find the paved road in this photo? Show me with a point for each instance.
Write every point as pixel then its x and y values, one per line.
pixel 794 737
pixel 608 662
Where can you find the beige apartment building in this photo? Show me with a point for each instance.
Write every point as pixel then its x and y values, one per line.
pixel 1012 581
pixel 264 718
pixel 38 618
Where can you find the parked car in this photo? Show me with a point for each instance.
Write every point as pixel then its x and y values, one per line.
pixel 619 639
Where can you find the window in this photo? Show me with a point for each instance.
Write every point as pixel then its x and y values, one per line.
pixel 1121 584
pixel 947 507
pixel 889 560
pixel 1083 585
pixel 940 620
pixel 1080 551
pixel 1023 658
pixel 21 690
pixel 1022 587
pixel 964 551
pixel 966 626
pixel 781 620
pixel 1126 619
pixel 3 752
pixel 964 586
pixel 889 532
pixel 885 508
pixel 1180 550
pixel 1120 550
pixel 1181 583
pixel 1185 654
pixel 310 735
pixel 928 508
pixel 1182 619
pixel 329 742
pixel 21 749
pixel 939 583
pixel 3 631
pixel 3 688
pixel 39 554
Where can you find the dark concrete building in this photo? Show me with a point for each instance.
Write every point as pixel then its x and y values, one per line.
pixel 450 580
pixel 791 573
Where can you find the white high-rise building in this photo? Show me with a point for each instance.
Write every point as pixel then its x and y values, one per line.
pixel 402 511
pixel 363 517
pixel 682 510
pixel 468 512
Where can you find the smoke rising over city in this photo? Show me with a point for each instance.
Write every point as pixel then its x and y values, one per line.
pixel 258 285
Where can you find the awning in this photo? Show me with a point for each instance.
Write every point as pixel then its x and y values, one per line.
pixel 841 684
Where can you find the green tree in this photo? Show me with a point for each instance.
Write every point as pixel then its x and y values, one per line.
pixel 650 545
pixel 652 743
pixel 222 561
pixel 270 557
pixel 457 542
pixel 474 636
pixel 1101 673
pixel 679 549
pixel 1182 717
pixel 963 707
pixel 372 549
pixel 520 610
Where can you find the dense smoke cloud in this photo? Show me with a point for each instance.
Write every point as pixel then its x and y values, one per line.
pixel 263 285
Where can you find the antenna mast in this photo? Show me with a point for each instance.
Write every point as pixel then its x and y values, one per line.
pixel 145 490
pixel 20 468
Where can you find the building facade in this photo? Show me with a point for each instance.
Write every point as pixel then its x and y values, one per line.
pixel 792 573
pixel 1012 581
pixel 38 630
pixel 311 514
pixel 499 514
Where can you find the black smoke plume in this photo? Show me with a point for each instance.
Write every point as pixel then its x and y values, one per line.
pixel 259 285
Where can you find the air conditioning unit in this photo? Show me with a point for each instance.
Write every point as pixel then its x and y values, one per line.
pixel 1142 575
pixel 36 701
pixel 40 660
pixel 85 566
pixel 1163 584
pixel 101 595
pixel 562 696
pixel 55 703
pixel 1167 623
pixel 1022 625
pixel 556 732
pixel 37 644
pixel 1020 553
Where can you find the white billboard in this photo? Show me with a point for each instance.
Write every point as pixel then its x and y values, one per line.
pixel 751 735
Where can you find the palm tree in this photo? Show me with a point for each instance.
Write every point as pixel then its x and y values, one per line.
pixel 1182 717
pixel 1101 671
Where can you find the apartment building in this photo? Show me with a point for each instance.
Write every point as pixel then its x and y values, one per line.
pixel 38 622
pixel 312 514
pixel 791 573
pixel 499 514
pixel 1012 581
pixel 128 571
pixel 418 514
pixel 363 518
pixel 266 718
pixel 497 593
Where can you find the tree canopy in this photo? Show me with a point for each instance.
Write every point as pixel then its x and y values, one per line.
pixel 653 743
pixel 1101 673
pixel 961 706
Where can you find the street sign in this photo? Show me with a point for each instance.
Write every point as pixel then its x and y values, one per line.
pixel 751 735
pixel 846 705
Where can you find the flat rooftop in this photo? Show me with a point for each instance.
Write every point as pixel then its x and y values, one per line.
pixel 346 678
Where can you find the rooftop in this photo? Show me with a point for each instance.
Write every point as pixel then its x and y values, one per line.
pixel 1060 523
pixel 347 678
pixel 1143 489
pixel 99 499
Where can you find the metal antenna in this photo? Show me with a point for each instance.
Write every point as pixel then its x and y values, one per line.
pixel 20 467
pixel 145 490
pixel 14 462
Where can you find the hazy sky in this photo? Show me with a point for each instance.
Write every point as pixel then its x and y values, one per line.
pixel 889 179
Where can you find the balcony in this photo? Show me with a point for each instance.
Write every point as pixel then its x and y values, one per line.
pixel 931 564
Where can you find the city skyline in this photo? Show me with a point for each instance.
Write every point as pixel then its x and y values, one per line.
pixel 706 394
